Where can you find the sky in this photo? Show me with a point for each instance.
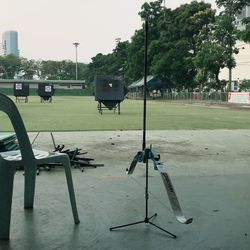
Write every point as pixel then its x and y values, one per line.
pixel 47 29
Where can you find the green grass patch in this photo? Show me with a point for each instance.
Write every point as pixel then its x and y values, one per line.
pixel 78 113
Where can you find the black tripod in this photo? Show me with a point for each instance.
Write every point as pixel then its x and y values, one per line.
pixel 147 219
pixel 146 153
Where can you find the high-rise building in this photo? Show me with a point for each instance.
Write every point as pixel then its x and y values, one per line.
pixel 244 14
pixel 10 43
pixel 1 50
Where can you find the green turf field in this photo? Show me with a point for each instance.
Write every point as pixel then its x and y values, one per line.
pixel 75 113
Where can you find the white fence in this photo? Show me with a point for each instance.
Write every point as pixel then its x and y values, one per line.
pixel 184 96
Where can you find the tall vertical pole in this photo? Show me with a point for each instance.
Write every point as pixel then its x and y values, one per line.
pixel 146 151
pixel 76 45
pixel 145 84
pixel 76 65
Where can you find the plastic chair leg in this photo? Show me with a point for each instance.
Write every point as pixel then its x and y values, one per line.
pixel 6 191
pixel 29 187
pixel 66 165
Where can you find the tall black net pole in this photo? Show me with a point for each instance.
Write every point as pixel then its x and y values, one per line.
pixel 145 85
pixel 145 152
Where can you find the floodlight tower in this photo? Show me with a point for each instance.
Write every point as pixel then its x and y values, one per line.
pixel 117 40
pixel 76 44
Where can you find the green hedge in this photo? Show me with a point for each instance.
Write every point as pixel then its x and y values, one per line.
pixel 58 92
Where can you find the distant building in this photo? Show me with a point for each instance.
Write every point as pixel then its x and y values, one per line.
pixel 1 50
pixel 241 71
pixel 9 45
pixel 244 13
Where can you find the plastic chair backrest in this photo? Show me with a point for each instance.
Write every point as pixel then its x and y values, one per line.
pixel 9 107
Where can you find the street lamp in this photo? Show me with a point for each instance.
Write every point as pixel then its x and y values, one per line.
pixel 76 45
pixel 117 40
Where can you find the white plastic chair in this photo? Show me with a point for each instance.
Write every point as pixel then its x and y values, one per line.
pixel 30 159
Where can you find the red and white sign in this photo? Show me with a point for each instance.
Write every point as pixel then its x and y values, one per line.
pixel 239 97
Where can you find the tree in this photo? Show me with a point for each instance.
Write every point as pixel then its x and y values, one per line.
pixel 114 63
pixel 121 58
pixel 232 6
pixel 82 70
pixel 208 62
pixel 172 45
pixel 135 58
pixel 245 34
pixel 173 52
pixel 215 51
pixel 28 68
pixel 100 65
pixel 66 70
pixel 3 72
pixel 9 66
pixel 61 70
pixel 152 11
pixel 245 85
pixel 49 70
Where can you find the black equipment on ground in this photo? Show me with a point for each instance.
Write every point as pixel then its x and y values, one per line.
pixel 21 90
pixel 76 158
pixel 46 91
pixel 109 92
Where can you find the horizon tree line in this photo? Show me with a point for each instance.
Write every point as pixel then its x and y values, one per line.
pixel 188 45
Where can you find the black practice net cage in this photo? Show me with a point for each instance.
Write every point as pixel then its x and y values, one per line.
pixel 21 91
pixel 110 91
pixel 46 91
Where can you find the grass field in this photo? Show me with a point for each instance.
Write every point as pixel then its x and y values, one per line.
pixel 75 113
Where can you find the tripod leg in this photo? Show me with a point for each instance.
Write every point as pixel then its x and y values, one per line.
pixel 171 193
pixel 127 225
pixel 154 215
pixel 137 158
pixel 162 229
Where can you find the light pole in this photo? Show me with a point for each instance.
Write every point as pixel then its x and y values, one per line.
pixel 76 45
pixel 117 40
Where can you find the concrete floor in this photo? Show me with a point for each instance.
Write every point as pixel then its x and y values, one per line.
pixel 210 172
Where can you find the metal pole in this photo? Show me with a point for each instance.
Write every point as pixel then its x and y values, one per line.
pixel 76 45
pixel 76 65
pixel 145 85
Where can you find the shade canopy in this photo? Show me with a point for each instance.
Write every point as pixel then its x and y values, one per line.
pixel 152 83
